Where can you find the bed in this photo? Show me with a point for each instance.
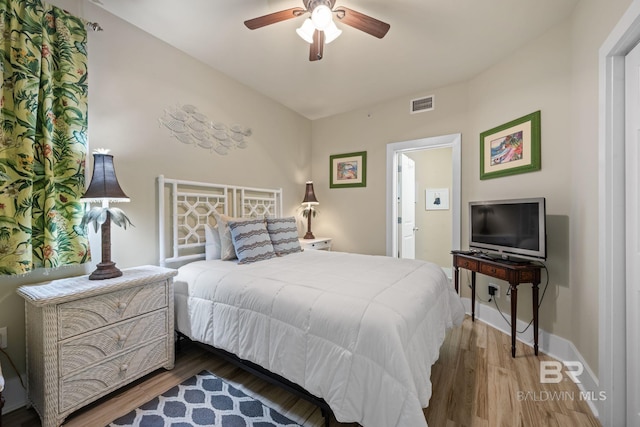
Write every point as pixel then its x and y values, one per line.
pixel 358 332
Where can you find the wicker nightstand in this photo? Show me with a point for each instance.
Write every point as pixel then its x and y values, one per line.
pixel 86 338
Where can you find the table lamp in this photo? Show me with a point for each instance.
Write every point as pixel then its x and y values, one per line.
pixel 104 188
pixel 309 201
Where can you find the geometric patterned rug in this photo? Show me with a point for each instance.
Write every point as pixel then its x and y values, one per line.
pixel 204 400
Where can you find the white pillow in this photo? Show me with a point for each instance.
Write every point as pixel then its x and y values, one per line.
pixel 227 251
pixel 212 242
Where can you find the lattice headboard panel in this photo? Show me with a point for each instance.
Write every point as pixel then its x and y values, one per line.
pixel 186 206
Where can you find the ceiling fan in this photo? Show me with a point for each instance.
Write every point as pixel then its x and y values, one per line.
pixel 320 29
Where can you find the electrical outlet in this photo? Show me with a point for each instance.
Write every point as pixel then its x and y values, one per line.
pixel 3 337
pixel 494 290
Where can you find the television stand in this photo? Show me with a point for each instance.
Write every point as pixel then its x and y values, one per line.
pixel 513 272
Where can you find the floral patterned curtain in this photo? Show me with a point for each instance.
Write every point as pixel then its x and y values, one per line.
pixel 42 136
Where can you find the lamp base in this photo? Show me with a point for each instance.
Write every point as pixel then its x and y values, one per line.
pixel 309 235
pixel 105 270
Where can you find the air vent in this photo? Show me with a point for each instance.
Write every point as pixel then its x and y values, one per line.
pixel 420 105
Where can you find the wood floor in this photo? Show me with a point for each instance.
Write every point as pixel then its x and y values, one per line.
pixel 475 383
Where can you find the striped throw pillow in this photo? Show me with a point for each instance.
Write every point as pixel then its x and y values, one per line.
pixel 251 240
pixel 284 235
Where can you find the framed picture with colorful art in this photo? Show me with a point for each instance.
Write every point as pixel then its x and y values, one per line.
pixel 348 170
pixel 512 148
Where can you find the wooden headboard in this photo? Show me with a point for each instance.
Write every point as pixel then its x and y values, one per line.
pixel 184 207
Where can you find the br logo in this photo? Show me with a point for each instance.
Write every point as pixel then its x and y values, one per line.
pixel 551 371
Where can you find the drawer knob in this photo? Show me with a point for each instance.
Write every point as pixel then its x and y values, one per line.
pixel 122 306
pixel 124 367
pixel 122 338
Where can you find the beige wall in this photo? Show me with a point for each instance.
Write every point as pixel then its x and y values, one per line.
pixel 133 77
pixel 433 237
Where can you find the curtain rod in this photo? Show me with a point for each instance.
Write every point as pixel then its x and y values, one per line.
pixel 90 25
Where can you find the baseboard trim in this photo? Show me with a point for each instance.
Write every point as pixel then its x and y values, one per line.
pixel 557 347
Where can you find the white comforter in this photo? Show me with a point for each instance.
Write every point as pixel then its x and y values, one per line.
pixel 359 331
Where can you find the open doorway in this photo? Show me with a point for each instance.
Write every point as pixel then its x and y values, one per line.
pixel 427 193
pixel 394 189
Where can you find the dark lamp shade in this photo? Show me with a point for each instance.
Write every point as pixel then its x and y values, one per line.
pixel 309 195
pixel 104 184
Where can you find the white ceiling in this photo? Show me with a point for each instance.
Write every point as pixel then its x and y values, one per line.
pixel 431 43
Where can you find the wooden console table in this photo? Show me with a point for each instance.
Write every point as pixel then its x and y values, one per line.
pixel 514 273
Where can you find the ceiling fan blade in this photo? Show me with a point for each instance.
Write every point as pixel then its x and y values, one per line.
pixel 362 22
pixel 272 18
pixel 317 47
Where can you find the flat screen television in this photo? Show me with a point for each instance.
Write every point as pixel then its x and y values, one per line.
pixel 509 229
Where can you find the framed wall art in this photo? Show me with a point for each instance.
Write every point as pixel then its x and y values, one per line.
pixel 437 199
pixel 348 170
pixel 512 148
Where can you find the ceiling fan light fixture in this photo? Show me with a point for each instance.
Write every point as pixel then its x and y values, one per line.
pixel 322 17
pixel 320 28
pixel 306 30
pixel 331 33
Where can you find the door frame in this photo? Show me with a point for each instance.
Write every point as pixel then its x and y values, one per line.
pixel 453 141
pixel 611 195
pixel 631 154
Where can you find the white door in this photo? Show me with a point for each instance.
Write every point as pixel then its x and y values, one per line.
pixel 632 189
pixel 407 206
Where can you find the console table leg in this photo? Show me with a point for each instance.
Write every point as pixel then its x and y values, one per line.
pixel 514 317
pixel 473 296
pixel 534 297
pixel 456 271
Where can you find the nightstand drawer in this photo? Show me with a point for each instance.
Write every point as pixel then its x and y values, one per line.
pixel 88 314
pixel 494 271
pixel 321 244
pixel 109 375
pixel 88 349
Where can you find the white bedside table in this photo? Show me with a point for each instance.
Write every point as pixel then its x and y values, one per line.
pixel 87 338
pixel 320 244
